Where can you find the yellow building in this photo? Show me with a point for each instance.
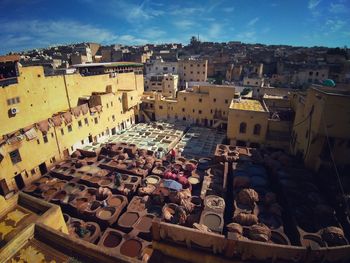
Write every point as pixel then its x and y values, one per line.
pixel 202 104
pixel 266 122
pixel 248 121
pixel 48 117
pixel 321 129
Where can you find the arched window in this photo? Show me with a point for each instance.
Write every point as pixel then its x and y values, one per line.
pixel 242 127
pixel 257 129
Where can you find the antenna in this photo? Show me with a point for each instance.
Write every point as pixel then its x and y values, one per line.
pixel 198 37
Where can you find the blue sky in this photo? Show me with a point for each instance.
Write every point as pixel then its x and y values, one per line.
pixel 28 24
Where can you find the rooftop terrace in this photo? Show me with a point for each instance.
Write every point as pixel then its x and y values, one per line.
pixel 248 105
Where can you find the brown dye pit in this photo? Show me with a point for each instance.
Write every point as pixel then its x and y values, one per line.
pixel 49 192
pixel 105 182
pixel 114 201
pixel 128 219
pixel 133 179
pixel 112 240
pixel 131 248
pixel 212 221
pixel 80 201
pixel 145 224
pixel 95 179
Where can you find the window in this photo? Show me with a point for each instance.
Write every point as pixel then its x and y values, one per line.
pixel 52 135
pixel 200 100
pixel 242 127
pixel 69 127
pixel 15 156
pixel 111 103
pixel 214 100
pixel 211 111
pixel 45 138
pixel 184 98
pixel 62 131
pixel 226 101
pixel 191 72
pixel 80 124
pixel 32 171
pixel 203 72
pixel 107 105
pixel 12 101
pixel 193 111
pixel 200 112
pixel 86 121
pixel 257 129
pixel 113 117
pixel 311 73
pixel 96 120
pixel 160 107
pixel 38 141
pixel 183 109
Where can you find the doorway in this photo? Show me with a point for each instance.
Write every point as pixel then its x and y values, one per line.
pixel 19 181
pixel 43 168
pixel 4 189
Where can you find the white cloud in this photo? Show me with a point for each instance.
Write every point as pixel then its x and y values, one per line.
pixel 228 9
pixel 313 3
pixel 25 34
pixel 131 40
pixel 153 33
pixel 214 30
pixel 253 21
pixel 183 11
pixel 248 36
pixel 338 8
pixel 335 25
pixel 184 24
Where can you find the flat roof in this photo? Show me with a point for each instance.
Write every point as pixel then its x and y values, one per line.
pixel 109 64
pixel 248 105
pixel 10 58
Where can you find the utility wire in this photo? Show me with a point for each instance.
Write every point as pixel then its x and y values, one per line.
pixel 332 158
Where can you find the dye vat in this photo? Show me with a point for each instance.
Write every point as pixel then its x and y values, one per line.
pixel 128 219
pixel 131 248
pixel 145 223
pixel 112 239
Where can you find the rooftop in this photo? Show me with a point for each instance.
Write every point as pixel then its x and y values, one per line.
pixel 249 105
pixel 109 64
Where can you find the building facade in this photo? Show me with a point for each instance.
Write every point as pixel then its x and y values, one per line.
pixel 52 116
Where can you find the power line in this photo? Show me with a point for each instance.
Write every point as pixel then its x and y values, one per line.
pixel 332 157
pixel 307 117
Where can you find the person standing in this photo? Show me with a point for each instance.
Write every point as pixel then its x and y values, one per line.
pixel 173 155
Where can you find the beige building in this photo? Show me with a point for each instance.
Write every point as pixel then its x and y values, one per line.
pixel 166 84
pixel 192 70
pixel 321 129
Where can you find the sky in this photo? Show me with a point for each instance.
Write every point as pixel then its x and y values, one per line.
pixel 28 24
